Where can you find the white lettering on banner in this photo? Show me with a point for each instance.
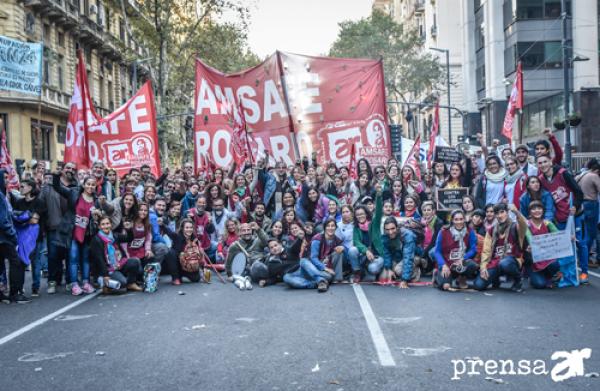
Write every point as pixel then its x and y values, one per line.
pixel 302 94
pixel 272 101
pixel 249 105
pixel 304 143
pixel 117 153
pixel 114 127
pixel 227 100
pixel 222 159
pixel 93 151
pixel 280 149
pixel 206 99
pixel 554 245
pixel 340 143
pixel 137 112
pixel 74 135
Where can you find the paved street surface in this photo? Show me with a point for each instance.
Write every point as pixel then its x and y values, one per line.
pixel 217 338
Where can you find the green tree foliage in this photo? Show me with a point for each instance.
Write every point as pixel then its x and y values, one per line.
pixel 408 69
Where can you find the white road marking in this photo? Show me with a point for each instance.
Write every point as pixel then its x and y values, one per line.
pixel 594 273
pixel 46 318
pixel 381 346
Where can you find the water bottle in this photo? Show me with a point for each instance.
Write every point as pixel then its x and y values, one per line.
pixel 112 284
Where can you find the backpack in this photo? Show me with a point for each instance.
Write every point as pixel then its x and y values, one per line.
pixel 415 227
pixel 191 258
pixel 151 276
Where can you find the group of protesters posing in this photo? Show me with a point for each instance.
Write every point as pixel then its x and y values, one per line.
pixel 306 225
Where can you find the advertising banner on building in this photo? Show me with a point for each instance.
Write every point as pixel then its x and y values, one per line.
pixel 21 66
pixel 294 105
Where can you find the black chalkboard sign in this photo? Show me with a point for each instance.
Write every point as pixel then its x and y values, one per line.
pixel 450 199
pixel 446 155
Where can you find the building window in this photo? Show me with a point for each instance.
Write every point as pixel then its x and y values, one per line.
pixel 40 139
pixel 540 9
pixel 480 78
pixel 47 35
pixel 537 55
pixel 61 40
pixel 59 70
pixel 61 133
pixel 122 30
pixel 46 65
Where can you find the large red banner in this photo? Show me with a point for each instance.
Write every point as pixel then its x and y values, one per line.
pixel 294 105
pixel 128 137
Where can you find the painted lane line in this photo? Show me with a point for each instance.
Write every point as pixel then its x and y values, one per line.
pixel 594 273
pixel 46 318
pixel 381 346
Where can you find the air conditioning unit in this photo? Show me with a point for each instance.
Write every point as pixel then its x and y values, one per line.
pixel 93 9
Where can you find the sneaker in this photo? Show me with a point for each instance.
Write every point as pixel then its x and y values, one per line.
pixel 51 287
pixel 3 298
pixel 20 298
pixel 356 278
pixel 517 287
pixel 322 286
pixel 35 292
pixel 248 284
pixel 583 278
pixel 176 281
pixel 76 290
pixel 240 282
pixel 87 288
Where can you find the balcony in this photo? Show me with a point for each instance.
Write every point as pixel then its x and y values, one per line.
pixel 111 48
pixel 63 12
pixel 90 32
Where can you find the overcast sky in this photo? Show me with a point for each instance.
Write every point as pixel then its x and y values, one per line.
pixel 300 26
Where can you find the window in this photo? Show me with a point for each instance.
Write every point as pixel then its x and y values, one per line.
pixel 59 70
pixel 101 92
pixel 480 78
pixel 40 139
pixel 61 40
pixel 61 133
pixel 536 55
pixel 46 65
pixel 509 60
pixel 540 9
pixel 47 34
pixel 111 97
pixel 122 30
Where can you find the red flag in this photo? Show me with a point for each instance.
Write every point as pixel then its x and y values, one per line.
pixel 352 168
pixel 514 102
pixel 412 160
pixel 6 164
pixel 434 133
pixel 81 115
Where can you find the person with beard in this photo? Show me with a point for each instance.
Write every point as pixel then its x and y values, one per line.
pixel 8 248
pixel 259 216
pixel 103 186
pixel 203 226
pixel 281 260
pixel 522 156
pixel 490 188
pixel 58 235
pixel 251 246
pixel 31 204
pixel 502 253
pixel 455 248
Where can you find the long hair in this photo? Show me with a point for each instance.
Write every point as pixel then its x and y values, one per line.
pixel 237 228
pixel 146 221
pixel 180 228
pixel 537 195
pixel 134 208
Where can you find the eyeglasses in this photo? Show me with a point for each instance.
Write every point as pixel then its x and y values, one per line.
pixel 379 172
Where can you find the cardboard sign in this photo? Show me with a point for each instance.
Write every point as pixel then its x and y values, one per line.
pixel 450 199
pixel 446 155
pixel 551 246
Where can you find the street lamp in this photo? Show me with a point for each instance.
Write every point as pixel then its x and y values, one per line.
pixel 134 65
pixel 447 51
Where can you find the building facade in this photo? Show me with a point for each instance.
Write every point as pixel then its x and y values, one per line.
pixel 36 125
pixel 492 36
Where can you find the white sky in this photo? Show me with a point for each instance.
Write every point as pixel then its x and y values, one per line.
pixel 300 26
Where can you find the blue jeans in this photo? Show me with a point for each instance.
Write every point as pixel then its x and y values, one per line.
pixel 582 241
pixel 590 212
pixel 39 255
pixel 375 266
pixel 508 266
pixel 79 257
pixel 306 277
pixel 539 279
pixel 356 259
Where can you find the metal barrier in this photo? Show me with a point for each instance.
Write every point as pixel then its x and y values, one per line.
pixel 579 160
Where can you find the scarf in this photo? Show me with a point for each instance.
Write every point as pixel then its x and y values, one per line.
pixel 500 176
pixel 364 226
pixel 459 236
pixel 512 178
pixel 109 248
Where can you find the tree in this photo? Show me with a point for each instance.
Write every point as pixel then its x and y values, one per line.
pixel 408 70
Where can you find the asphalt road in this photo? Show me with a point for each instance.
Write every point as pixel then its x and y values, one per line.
pixel 215 337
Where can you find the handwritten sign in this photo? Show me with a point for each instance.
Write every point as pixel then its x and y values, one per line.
pixel 450 199
pixel 551 246
pixel 446 155
pixel 20 66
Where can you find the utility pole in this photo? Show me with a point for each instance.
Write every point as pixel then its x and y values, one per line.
pixel 565 63
pixel 447 52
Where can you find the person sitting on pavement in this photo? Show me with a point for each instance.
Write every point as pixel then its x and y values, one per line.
pixel 281 260
pixel 249 248
pixel 455 248
pixel 502 253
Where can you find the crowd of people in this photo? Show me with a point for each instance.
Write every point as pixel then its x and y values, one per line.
pixel 305 225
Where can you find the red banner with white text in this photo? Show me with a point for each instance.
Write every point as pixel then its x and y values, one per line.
pixel 128 137
pixel 319 104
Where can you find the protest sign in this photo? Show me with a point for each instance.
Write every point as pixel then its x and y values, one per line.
pixel 450 199
pixel 551 246
pixel 446 155
pixel 20 66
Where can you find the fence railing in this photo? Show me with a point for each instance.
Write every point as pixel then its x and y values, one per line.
pixel 579 159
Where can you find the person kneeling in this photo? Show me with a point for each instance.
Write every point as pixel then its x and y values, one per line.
pixel 455 248
pixel 398 254
pixel 106 255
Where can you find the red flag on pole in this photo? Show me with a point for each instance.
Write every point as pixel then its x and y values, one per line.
pixel 6 164
pixel 514 102
pixel 412 160
pixel 352 167
pixel 81 115
pixel 435 128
